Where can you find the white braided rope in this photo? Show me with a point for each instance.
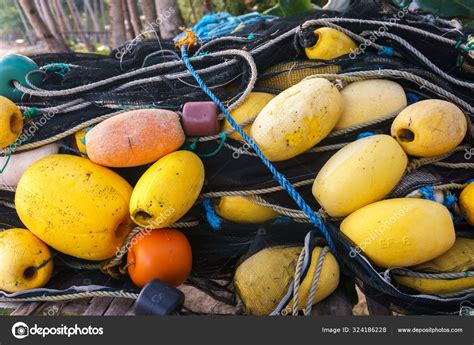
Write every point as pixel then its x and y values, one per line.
pixel 312 22
pixel 7 188
pixel 454 165
pixel 426 61
pixel 297 282
pixel 253 191
pixel 354 128
pixel 444 276
pixel 60 136
pixel 419 162
pixel 7 204
pixel 314 283
pixel 72 296
pixel 91 86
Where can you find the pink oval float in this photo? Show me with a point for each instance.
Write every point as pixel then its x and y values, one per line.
pixel 19 162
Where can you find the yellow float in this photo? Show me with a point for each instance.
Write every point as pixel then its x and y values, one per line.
pixel 262 280
pixel 400 232
pixel 297 119
pixel 167 190
pixel 238 209
pixel 11 122
pixel 361 173
pixel 330 44
pixel 75 206
pixel 368 100
pixel 250 108
pixel 25 262
pixel 466 201
pixel 430 128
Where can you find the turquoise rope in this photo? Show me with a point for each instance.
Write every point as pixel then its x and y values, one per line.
pixel 58 68
pixel 192 146
pixel 67 148
pixel 31 112
pixel 44 263
pixel 280 178
pixel 9 156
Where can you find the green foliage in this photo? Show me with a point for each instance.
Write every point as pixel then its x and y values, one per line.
pixel 290 7
pixel 10 21
pixel 444 8
pixel 193 10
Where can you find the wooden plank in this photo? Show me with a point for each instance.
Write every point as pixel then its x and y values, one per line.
pixel 26 308
pixel 119 306
pixel 98 306
pixel 375 308
pixel 49 308
pixel 198 301
pixel 76 307
pixel 336 304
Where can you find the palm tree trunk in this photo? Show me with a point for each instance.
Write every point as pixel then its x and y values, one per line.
pixel 29 34
pixel 134 16
pixel 51 20
pixel 63 18
pixel 60 19
pixel 41 29
pixel 207 6
pixel 40 10
pixel 168 9
pixel 119 35
pixel 76 18
pixel 149 12
pixel 126 16
pixel 92 15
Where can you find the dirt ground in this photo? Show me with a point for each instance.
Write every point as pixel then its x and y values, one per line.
pixel 20 48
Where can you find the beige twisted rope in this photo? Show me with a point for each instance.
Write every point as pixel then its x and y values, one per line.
pixel 72 296
pixel 7 188
pixel 253 191
pixel 419 162
pixel 59 136
pixel 364 75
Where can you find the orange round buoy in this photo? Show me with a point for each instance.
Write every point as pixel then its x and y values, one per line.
pixel 163 254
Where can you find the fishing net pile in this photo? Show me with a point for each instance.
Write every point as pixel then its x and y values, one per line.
pixel 275 224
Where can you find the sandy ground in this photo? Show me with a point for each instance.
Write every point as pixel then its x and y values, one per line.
pixel 25 49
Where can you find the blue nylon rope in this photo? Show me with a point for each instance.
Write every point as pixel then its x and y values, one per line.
pixel 212 218
pixel 313 218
